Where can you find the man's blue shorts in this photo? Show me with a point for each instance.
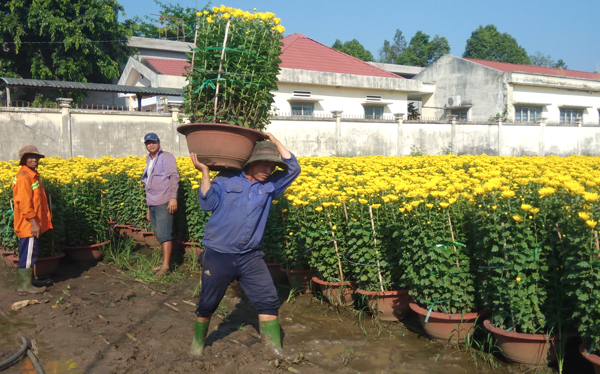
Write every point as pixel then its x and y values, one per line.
pixel 162 222
pixel 251 272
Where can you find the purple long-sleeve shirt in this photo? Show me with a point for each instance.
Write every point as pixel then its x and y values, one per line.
pixel 163 182
pixel 240 208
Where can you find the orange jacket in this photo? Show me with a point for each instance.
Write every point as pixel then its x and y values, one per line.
pixel 30 202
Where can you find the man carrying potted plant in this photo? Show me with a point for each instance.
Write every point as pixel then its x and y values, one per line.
pixel 31 216
pixel 240 203
pixel 162 181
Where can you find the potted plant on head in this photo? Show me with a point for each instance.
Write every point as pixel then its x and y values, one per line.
pixel 233 72
pixel 439 272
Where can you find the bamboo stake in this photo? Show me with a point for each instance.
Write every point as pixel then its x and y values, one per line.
pixel 336 249
pixel 597 243
pixel 194 54
pixel 345 210
pixel 376 250
pixel 560 237
pixel 452 236
pixel 220 68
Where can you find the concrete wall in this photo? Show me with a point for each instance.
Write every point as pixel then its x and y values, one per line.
pixel 91 133
pixel 477 85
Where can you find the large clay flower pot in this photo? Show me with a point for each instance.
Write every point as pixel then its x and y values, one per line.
pixel 278 276
pixel 220 146
pixel 338 293
pixel 150 239
pixel 192 247
pixel 299 279
pixel 4 253
pixel 85 253
pixel 43 267
pixel 387 305
pixel 138 235
pixel 594 359
pixel 446 328
pixel 528 349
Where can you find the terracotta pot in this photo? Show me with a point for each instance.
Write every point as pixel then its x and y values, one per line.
pixel 338 293
pixel 446 328
pixel 388 305
pixel 594 359
pixel 138 235
pixel 528 349
pixel 43 267
pixel 276 274
pixel 299 279
pixel 220 146
pixel 191 247
pixel 111 224
pixel 4 253
pixel 124 230
pixel 85 253
pixel 150 239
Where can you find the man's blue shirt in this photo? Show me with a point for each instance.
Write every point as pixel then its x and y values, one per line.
pixel 240 208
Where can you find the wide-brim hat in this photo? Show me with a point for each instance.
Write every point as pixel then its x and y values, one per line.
pixel 266 151
pixel 29 150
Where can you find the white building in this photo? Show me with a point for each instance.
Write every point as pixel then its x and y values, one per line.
pixel 476 90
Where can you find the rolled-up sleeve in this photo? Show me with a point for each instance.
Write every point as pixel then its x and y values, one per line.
pixel 173 176
pixel 283 179
pixel 210 201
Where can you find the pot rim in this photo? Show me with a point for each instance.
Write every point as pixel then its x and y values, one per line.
pixel 14 258
pixel 444 316
pixel 338 284
pixel 517 335
pixel 593 358
pixel 297 271
pixel 123 226
pixel 188 128
pixel 383 293
pixel 96 245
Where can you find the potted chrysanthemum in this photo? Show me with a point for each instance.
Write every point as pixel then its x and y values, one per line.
pixel 233 72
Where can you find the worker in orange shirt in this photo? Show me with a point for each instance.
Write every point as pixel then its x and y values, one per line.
pixel 32 216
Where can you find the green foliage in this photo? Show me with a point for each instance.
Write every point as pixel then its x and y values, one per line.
pixel 416 150
pixel 354 49
pixel 539 59
pixel 389 52
pixel 83 212
pixel 174 16
pixel 189 218
pixel 439 270
pixel 126 200
pixel 413 113
pixel 79 40
pixel 421 51
pixel 487 43
pixel 248 72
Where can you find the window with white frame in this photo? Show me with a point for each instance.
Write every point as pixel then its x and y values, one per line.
pixel 527 113
pixel 302 109
pixel 373 112
pixel 570 115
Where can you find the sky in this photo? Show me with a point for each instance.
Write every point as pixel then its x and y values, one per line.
pixel 566 30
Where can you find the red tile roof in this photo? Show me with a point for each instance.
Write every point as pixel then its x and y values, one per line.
pixel 168 66
pixel 505 66
pixel 300 52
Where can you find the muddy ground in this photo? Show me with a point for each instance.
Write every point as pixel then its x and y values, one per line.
pixel 107 322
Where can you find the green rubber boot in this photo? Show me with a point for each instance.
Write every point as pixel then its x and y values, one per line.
pixel 24 281
pixel 271 334
pixel 200 332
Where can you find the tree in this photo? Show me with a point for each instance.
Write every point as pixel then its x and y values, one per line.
pixel 539 59
pixel 174 16
pixel 487 43
pixel 76 40
pixel 390 51
pixel 422 52
pixel 353 48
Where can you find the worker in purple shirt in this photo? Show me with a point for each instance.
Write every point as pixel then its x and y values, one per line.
pixel 240 202
pixel 162 182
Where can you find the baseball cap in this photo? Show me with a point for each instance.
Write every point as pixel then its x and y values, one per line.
pixel 151 136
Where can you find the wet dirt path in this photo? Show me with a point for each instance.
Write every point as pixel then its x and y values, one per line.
pixel 107 322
